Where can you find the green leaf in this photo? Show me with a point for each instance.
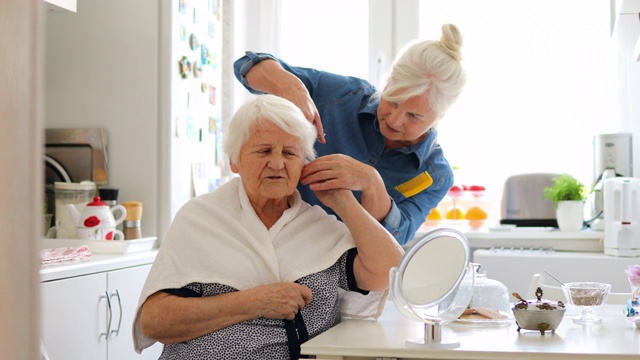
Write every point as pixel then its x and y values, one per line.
pixel 565 187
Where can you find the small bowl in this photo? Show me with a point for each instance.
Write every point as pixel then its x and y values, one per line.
pixel 538 314
pixel 586 295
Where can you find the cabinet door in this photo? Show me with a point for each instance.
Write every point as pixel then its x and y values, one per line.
pixel 74 317
pixel 125 287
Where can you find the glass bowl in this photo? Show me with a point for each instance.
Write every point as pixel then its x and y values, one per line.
pixel 586 295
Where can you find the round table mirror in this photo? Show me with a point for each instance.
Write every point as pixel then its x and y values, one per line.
pixel 434 283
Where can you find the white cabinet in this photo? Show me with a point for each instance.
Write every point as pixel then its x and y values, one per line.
pixel 90 316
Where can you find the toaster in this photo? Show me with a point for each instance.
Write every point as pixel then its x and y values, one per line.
pixel 523 202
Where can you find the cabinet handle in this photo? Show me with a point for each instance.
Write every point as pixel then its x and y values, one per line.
pixel 117 295
pixel 109 314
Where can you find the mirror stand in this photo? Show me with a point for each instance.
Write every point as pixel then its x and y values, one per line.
pixel 433 338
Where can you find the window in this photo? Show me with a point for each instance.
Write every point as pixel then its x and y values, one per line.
pixel 541 76
pixel 330 35
pixel 541 84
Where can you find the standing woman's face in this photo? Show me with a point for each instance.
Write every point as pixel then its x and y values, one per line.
pixel 270 162
pixel 405 123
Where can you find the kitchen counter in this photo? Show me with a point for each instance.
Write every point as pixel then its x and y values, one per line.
pixel 98 263
pixel 525 238
pixel 615 338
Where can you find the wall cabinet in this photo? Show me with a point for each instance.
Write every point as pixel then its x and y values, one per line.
pixel 90 316
pixel 628 10
pixel 63 6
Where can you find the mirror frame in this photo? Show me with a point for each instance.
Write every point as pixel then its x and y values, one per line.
pixel 420 243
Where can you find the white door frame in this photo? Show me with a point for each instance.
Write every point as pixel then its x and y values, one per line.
pixel 21 174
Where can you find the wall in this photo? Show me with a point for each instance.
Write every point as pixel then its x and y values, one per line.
pixel 102 70
pixel 625 34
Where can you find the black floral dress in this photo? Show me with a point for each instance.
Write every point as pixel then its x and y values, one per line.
pixel 270 339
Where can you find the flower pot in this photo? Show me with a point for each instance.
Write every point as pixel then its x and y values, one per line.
pixel 570 215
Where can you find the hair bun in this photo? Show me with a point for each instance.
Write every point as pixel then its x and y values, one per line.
pixel 451 41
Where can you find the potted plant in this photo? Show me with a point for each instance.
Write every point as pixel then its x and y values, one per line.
pixel 568 196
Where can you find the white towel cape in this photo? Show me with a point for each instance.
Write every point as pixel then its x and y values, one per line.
pixel 218 238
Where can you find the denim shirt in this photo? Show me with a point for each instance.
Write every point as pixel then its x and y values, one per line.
pixel 416 177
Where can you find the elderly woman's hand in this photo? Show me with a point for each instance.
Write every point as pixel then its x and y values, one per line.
pixel 335 198
pixel 281 300
pixel 337 171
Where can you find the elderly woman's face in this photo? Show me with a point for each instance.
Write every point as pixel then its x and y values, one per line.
pixel 405 123
pixel 270 162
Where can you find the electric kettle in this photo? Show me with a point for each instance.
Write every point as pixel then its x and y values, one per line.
pixel 622 220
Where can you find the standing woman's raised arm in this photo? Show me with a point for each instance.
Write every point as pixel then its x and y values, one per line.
pixel 265 74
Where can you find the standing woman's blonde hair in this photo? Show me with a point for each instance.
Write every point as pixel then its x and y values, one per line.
pixel 433 67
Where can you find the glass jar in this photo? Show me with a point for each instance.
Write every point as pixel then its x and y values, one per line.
pixel 78 194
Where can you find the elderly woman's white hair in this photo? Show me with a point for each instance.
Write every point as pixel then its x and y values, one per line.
pixel 432 67
pixel 271 108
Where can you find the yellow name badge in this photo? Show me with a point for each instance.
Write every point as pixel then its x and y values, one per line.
pixel 415 185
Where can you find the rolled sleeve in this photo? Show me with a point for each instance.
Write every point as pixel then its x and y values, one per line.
pixel 243 65
pixel 391 222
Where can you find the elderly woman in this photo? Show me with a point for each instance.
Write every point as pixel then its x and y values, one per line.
pixel 250 271
pixel 382 144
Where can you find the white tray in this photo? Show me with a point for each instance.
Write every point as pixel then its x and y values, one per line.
pixel 103 246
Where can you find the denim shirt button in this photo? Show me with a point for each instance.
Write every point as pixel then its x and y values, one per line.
pixel 372 161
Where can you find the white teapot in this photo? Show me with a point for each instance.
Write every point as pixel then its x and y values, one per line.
pixel 96 215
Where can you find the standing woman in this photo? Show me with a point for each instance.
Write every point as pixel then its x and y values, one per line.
pixel 380 144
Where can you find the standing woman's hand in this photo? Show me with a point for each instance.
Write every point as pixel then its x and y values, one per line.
pixel 298 94
pixel 269 76
pixel 339 171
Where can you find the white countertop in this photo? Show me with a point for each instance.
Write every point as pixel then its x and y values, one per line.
pixel 97 263
pixel 615 338
pixel 525 238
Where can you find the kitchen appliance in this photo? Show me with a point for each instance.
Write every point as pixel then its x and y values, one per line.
pixel 79 154
pixel 612 157
pixel 523 203
pixel 622 216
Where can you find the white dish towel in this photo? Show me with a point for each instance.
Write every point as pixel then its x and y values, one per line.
pixel 64 255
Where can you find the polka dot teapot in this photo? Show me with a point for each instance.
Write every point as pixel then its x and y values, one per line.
pixel 97 215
